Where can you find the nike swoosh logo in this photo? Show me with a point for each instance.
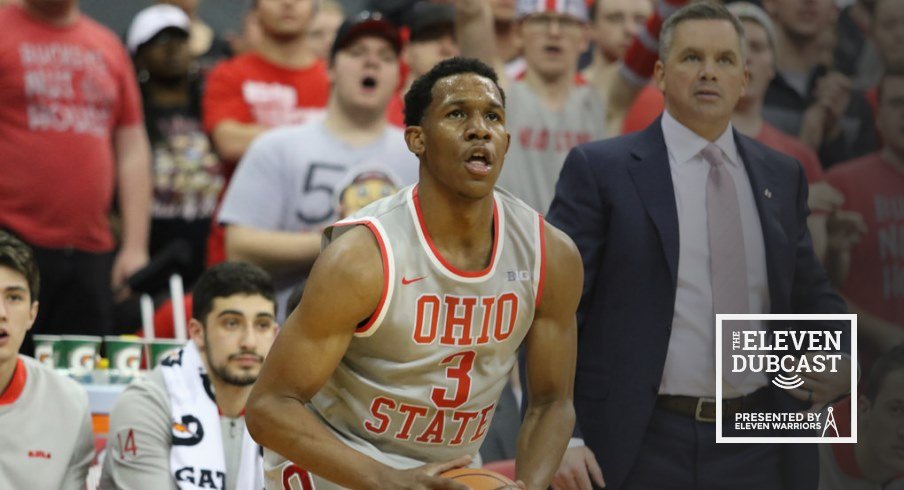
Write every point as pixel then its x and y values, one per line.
pixel 406 282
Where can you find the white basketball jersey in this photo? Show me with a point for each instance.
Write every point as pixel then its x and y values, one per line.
pixel 420 380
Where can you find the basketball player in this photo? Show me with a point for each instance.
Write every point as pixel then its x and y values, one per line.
pixel 44 417
pixel 389 371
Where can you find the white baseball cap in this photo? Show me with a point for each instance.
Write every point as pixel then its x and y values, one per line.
pixel 150 21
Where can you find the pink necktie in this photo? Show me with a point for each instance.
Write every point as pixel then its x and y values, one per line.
pixel 728 262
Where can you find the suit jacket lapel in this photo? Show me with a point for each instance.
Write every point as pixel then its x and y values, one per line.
pixel 653 180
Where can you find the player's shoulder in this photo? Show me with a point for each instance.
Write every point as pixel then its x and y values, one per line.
pixel 514 205
pixel 55 388
pixel 144 394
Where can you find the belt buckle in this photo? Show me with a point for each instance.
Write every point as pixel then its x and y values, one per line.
pixel 698 412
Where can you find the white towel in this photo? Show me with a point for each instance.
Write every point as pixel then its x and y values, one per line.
pixel 197 460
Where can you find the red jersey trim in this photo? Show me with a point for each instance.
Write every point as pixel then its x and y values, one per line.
pixel 16 384
pixel 542 243
pixel 373 322
pixel 494 256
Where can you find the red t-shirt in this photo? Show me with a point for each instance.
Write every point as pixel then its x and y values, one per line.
pixel 63 93
pixel 875 189
pixel 250 89
pixel 794 148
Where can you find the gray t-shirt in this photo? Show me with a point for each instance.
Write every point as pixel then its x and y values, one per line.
pixel 290 177
pixel 140 438
pixel 46 439
pixel 542 138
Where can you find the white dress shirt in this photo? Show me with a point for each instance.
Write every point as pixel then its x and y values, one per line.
pixel 690 367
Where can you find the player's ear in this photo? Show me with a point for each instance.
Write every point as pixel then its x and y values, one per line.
pixel 196 332
pixel 414 138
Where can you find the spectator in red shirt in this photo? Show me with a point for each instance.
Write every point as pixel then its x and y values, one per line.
pixel 278 82
pixel 874 186
pixel 71 133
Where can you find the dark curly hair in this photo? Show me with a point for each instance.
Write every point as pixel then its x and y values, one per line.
pixel 420 95
pixel 227 279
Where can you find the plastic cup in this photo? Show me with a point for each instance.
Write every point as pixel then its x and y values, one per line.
pixel 159 349
pixel 78 353
pixel 46 350
pixel 124 353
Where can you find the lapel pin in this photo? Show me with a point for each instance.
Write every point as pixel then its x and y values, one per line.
pixel 768 194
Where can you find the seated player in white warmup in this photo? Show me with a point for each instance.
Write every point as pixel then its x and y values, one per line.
pixel 45 424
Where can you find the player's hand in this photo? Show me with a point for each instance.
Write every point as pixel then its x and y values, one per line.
pixel 822 388
pixel 577 469
pixel 426 477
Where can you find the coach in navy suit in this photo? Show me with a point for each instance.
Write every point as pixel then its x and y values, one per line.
pixel 637 208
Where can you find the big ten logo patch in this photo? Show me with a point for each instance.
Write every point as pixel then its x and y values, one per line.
pixel 512 276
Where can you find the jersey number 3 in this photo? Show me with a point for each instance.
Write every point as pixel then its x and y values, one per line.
pixel 458 371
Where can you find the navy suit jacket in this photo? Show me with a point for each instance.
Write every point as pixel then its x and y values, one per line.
pixel 615 199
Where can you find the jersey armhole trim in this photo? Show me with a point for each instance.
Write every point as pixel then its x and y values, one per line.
pixel 376 318
pixel 540 260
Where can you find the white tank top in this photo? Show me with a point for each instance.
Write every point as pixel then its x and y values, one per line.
pixel 421 378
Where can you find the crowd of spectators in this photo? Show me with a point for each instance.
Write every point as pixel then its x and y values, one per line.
pixel 117 149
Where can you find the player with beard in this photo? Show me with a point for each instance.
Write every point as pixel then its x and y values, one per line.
pixel 183 425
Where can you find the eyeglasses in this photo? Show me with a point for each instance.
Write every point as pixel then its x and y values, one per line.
pixel 545 21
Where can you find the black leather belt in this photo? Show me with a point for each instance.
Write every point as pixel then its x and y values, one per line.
pixel 704 409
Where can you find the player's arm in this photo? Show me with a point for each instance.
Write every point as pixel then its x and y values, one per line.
pixel 551 349
pixel 343 290
pixel 133 157
pixel 140 439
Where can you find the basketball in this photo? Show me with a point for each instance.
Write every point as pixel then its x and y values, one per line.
pixel 479 479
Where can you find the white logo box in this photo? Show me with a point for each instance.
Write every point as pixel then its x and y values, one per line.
pixel 852 439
